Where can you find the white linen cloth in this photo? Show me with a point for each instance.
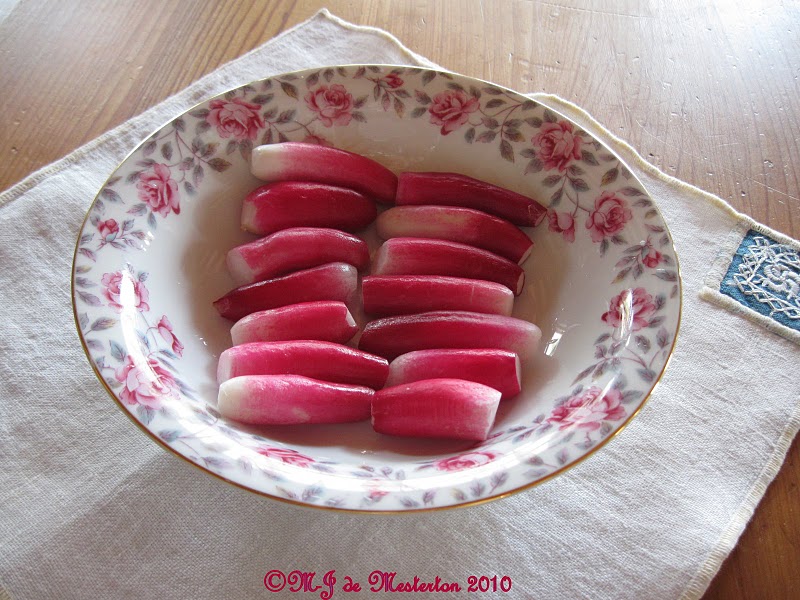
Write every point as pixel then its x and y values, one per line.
pixel 92 508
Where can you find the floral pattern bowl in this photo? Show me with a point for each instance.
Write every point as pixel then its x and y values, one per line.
pixel 602 283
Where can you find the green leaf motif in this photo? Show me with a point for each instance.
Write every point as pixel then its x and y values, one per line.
pixel 534 166
pixel 289 89
pixel 263 99
pixel 89 299
pixel 116 350
pixel 506 151
pixel 219 164
pixel 610 176
pixel 103 324
pixel 110 195
pixel 551 180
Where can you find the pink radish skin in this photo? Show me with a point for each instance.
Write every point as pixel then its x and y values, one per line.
pixel 440 408
pixel 419 256
pixel 319 360
pixel 499 369
pixel 464 225
pixel 294 161
pixel 393 336
pixel 295 249
pixel 386 295
pixel 285 204
pixel 453 189
pixel 334 281
pixel 292 400
pixel 324 320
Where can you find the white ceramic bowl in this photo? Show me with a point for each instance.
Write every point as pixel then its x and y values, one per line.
pixel 602 283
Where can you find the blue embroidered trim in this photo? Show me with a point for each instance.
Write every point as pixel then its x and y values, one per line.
pixel 765 276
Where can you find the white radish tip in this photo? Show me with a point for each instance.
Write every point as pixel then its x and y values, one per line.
pixel 525 256
pixel 518 368
pixel 349 318
pixel 520 284
pixel 249 216
pixel 231 393
pixel 238 268
pixel 266 161
pixel 224 367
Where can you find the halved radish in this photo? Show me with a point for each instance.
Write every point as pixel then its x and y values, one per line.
pixel 285 204
pixel 419 256
pixel 393 336
pixel 294 249
pixel 292 399
pixel 325 320
pixel 499 369
pixel 295 161
pixel 334 281
pixel 457 224
pixel 320 360
pixel 386 295
pixel 453 189
pixel 442 408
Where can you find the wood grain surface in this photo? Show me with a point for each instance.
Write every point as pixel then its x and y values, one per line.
pixel 708 94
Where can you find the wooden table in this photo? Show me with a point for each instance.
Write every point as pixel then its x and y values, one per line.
pixel 709 95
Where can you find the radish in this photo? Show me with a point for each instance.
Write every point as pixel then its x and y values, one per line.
pixel 294 161
pixel 452 189
pixel 386 295
pixel 419 256
pixel 292 399
pixel 465 225
pixel 285 204
pixel 444 408
pixel 319 360
pixel 325 320
pixel 393 336
pixel 294 249
pixel 334 281
pixel 499 369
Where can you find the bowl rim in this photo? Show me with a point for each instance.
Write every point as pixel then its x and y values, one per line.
pixel 459 504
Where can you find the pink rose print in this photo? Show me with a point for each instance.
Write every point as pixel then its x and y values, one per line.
pixel 464 461
pixel 315 139
pixel 165 330
pixel 653 258
pixel 393 81
pixel 159 190
pixel 589 409
pixel 108 230
pixel 122 290
pixel 451 109
pixel 235 118
pixel 144 384
pixel 376 495
pixel 557 145
pixel 631 309
pixel 333 104
pixel 609 216
pixel 563 223
pixel 287 455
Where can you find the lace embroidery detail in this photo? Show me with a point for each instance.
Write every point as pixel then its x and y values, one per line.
pixel 765 276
